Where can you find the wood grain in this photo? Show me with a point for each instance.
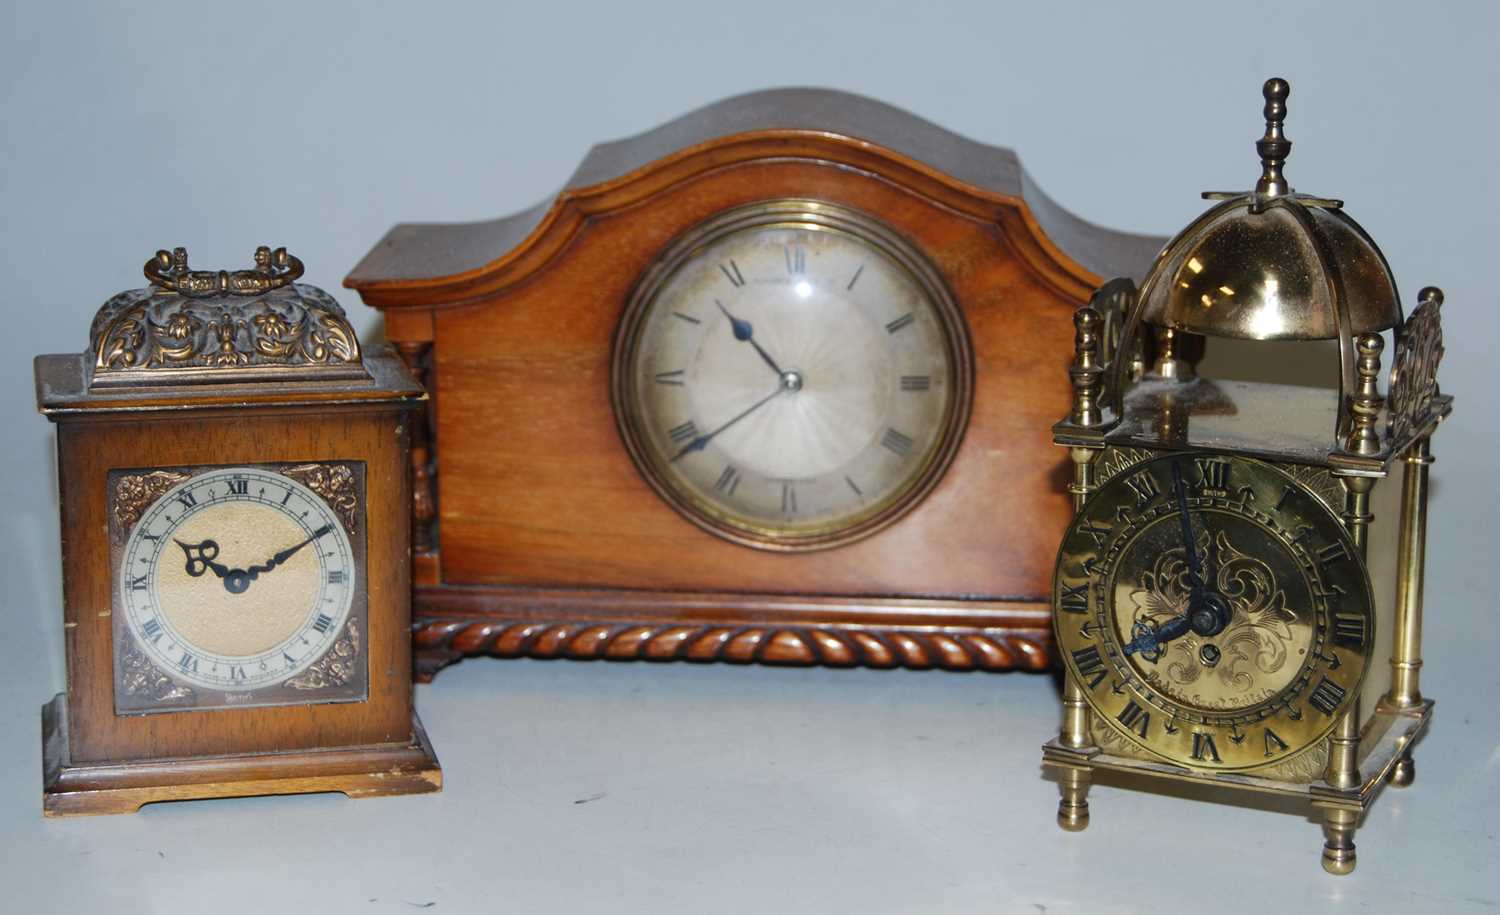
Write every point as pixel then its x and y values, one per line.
pixel 536 495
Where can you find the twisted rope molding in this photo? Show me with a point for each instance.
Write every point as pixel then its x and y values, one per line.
pixel 440 641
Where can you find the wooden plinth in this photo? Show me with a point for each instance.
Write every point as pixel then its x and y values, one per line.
pixel 98 788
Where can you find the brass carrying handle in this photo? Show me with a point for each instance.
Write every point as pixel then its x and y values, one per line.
pixel 272 270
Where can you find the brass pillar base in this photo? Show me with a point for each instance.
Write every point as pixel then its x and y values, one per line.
pixel 1073 808
pixel 1404 772
pixel 1338 847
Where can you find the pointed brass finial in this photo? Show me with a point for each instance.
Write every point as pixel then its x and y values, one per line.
pixel 1274 147
pixel 1366 402
pixel 1086 372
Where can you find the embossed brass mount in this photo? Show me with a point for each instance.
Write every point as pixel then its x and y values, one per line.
pixel 222 327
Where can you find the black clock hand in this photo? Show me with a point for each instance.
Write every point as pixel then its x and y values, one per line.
pixel 1180 489
pixel 701 442
pixel 1207 612
pixel 200 558
pixel 745 333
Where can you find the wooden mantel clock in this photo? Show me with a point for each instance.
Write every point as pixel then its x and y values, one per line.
pixel 1238 601
pixel 765 384
pixel 234 485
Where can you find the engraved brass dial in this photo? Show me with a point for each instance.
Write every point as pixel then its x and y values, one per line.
pixel 792 375
pixel 1214 611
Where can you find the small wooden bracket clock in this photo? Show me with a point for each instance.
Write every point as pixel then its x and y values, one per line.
pixel 1238 600
pixel 754 387
pixel 234 488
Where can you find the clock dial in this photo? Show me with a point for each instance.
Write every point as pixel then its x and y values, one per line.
pixel 1214 610
pixel 792 375
pixel 237 579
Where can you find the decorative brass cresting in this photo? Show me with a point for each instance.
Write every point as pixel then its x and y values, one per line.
pixel 214 326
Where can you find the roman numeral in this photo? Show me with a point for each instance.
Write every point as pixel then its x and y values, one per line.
pixel 1326 696
pixel 1274 744
pixel 139 584
pixel 287 497
pixel 1074 598
pixel 855 279
pixel 151 629
pixel 788 499
pixel 321 531
pixel 796 260
pixel 1349 630
pixel 236 673
pixel 674 377
pixel 728 481
pixel 335 576
pixel 916 382
pixel 1135 718
pixel 688 318
pixel 1144 486
pixel 857 491
pixel 896 442
pixel 288 658
pixel 238 488
pixel 684 433
pixel 1212 474
pixel 187 499
pixel 732 273
pixel 1090 666
pixel 1099 532
pixel 322 623
pixel 188 662
pixel 1204 749
pixel 903 321
pixel 1332 552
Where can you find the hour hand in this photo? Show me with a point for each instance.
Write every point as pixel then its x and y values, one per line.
pixel 201 556
pixel 1149 639
pixel 745 333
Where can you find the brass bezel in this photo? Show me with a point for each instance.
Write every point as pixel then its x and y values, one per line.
pixel 822 216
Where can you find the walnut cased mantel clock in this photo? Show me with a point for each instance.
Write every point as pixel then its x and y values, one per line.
pixel 234 483
pixel 1238 599
pixel 754 387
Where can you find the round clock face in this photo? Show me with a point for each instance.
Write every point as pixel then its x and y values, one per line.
pixel 792 375
pixel 236 579
pixel 1214 611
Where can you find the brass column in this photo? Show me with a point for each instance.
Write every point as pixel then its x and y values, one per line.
pixel 1406 649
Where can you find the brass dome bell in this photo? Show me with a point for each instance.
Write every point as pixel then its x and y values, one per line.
pixel 1272 264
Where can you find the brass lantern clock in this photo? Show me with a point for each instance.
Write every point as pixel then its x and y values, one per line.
pixel 233 480
pixel 1246 556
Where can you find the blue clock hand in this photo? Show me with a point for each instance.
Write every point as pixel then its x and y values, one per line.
pixel 745 333
pixel 701 442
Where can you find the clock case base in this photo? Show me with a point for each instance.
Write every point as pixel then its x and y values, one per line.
pixel 451 623
pixel 1385 757
pixel 103 788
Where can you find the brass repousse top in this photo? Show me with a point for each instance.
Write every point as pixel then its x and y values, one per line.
pixel 218 327
pixel 1272 264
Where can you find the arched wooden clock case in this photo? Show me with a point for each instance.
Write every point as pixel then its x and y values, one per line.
pixel 538 535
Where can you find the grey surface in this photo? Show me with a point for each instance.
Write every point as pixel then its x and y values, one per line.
pixel 129 128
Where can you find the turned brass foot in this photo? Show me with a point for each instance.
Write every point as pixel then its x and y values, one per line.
pixel 1338 847
pixel 1073 809
pixel 1404 773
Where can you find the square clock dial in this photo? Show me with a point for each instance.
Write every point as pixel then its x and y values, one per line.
pixel 238 586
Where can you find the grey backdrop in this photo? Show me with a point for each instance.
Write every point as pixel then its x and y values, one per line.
pixel 129 127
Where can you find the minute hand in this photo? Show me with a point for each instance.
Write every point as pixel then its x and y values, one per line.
pixel 701 442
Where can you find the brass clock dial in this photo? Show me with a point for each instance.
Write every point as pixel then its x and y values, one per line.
pixel 1214 611
pixel 792 375
pixel 235 581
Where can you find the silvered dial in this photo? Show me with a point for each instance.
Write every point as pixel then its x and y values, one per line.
pixel 792 376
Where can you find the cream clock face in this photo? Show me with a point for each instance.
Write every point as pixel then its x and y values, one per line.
pixel 236 579
pixel 792 375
